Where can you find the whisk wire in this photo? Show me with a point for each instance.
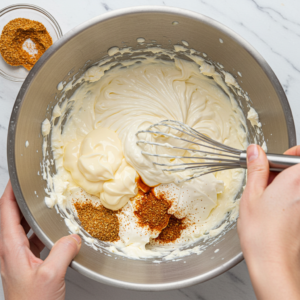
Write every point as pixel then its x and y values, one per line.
pixel 180 148
pixel 206 172
pixel 187 157
pixel 195 134
pixel 177 138
pixel 222 157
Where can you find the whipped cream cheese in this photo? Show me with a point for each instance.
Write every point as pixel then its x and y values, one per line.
pixel 93 139
pixel 46 127
pixel 253 117
pixel 96 164
pixel 118 191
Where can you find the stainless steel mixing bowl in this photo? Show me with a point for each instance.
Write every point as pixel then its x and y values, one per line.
pixel 90 41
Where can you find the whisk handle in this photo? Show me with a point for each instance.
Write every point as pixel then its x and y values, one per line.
pixel 277 162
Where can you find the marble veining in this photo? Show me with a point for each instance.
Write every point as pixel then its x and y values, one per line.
pixel 270 26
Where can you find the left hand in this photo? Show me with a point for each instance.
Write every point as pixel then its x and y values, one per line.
pixel 24 275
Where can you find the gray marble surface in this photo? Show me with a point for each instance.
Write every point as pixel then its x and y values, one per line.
pixel 271 26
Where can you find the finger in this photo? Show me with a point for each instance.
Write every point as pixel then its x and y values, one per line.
pixel 272 176
pixel 10 216
pixel 62 254
pixel 293 151
pixel 36 246
pixel 257 171
pixel 25 225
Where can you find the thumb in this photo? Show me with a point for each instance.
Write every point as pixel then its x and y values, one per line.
pixel 62 253
pixel 257 173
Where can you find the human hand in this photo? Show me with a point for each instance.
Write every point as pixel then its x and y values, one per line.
pixel 269 227
pixel 24 275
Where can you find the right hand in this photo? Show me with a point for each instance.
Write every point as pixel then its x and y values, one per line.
pixel 269 227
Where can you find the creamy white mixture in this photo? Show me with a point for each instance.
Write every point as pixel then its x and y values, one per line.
pixel 97 158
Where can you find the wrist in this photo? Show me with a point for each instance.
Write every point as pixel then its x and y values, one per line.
pixel 274 278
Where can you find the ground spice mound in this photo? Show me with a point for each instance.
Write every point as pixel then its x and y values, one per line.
pixel 98 221
pixel 152 212
pixel 172 232
pixel 13 36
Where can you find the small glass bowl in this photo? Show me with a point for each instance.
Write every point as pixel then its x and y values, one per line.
pixel 32 12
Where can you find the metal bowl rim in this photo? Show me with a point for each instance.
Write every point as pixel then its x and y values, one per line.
pixel 58 44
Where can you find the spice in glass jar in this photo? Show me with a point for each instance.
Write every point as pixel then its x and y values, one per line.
pixel 23 42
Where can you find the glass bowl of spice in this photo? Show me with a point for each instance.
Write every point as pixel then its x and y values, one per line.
pixel 27 31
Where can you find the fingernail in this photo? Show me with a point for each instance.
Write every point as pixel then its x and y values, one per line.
pixel 76 238
pixel 252 152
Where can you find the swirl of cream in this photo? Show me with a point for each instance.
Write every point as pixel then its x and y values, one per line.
pixel 94 159
pixel 132 99
pixel 100 155
pixel 117 192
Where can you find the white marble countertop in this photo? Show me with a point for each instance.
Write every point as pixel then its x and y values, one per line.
pixel 271 26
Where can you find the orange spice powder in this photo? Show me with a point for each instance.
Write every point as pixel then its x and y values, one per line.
pixel 153 212
pixel 142 186
pixel 13 36
pixel 103 223
pixel 172 232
